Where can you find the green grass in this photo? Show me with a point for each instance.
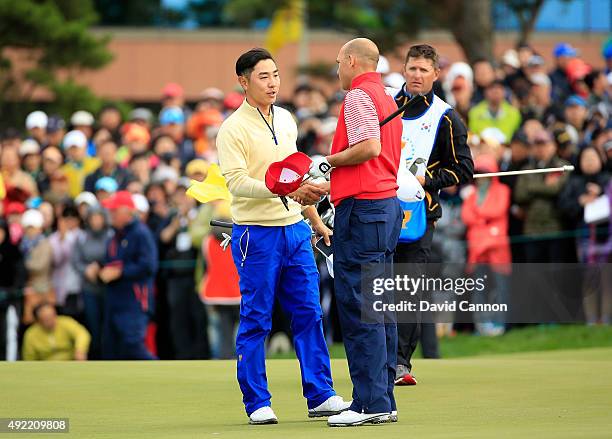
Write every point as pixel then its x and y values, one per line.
pixel 556 394
pixel 528 339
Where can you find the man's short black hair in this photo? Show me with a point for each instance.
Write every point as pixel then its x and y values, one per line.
pixel 10 134
pixel 248 60
pixel 303 88
pixel 70 211
pixel 423 51
pixel 109 106
pixel 497 83
pixel 590 78
pixel 144 155
pixel 481 59
pixel 520 137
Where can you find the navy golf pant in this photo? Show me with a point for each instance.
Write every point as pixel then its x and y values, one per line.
pixel 365 234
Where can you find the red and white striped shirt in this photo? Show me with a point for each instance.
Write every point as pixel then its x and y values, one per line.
pixel 360 117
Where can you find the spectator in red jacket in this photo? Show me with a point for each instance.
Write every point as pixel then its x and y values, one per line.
pixel 485 214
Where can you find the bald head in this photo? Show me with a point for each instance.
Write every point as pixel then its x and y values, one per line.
pixel 356 57
pixel 364 51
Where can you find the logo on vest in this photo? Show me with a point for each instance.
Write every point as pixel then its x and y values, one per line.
pixel 418 166
pixel 426 126
pixel 406 219
pixel 408 150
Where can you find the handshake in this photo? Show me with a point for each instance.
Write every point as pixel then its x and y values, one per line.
pixel 310 192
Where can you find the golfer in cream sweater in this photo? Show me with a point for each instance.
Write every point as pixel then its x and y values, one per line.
pixel 271 244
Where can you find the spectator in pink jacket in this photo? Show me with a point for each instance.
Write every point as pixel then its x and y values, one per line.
pixel 485 214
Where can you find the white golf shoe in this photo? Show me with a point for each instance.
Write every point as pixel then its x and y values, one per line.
pixel 350 418
pixel 332 406
pixel 393 416
pixel 263 415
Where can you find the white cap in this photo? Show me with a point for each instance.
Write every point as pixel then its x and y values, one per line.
pixel 459 69
pixel 141 203
pixel 74 138
pixel 36 119
pixel 572 133
pixel 32 218
pixel 495 134
pixel 87 198
pixel 82 118
pixel 328 126
pixel 510 57
pixel 29 146
pixel 383 65
pixel 163 173
pixel 394 80
pixel 540 79
pixel 212 93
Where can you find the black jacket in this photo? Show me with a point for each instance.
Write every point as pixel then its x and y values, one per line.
pixel 12 271
pixel 450 162
pixel 573 189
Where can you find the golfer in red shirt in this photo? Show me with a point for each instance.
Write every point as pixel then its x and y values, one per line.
pixel 364 162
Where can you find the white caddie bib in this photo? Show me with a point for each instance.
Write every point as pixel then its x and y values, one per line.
pixel 418 138
pixel 419 135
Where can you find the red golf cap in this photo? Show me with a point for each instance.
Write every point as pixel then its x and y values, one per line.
pixel 233 100
pixel 285 176
pixel 119 199
pixel 172 90
pixel 15 207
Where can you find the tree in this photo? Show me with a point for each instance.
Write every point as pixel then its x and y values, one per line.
pixel 207 13
pixel 52 41
pixel 526 12
pixel 128 13
pixel 388 22
pixel 138 13
pixel 470 22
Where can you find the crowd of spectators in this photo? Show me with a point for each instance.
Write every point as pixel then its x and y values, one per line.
pixel 56 173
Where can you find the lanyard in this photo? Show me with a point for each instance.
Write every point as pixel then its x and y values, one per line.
pixel 271 128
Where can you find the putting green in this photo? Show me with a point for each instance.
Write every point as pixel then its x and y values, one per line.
pixel 560 394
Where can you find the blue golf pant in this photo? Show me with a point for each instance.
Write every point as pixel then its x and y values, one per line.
pixel 278 262
pixel 365 234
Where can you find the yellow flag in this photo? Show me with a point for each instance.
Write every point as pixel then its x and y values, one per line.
pixel 287 26
pixel 2 188
pixel 212 188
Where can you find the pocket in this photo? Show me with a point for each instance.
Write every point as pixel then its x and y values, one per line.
pixel 373 230
pixel 342 216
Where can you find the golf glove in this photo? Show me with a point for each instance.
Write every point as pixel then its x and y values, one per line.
pixel 320 167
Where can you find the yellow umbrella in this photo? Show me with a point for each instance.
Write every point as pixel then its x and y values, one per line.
pixel 212 188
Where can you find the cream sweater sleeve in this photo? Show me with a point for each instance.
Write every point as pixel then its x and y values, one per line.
pixel 233 163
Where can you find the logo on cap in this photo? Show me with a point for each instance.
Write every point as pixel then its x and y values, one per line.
pixel 286 176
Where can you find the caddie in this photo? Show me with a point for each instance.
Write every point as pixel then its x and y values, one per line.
pixel 435 151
